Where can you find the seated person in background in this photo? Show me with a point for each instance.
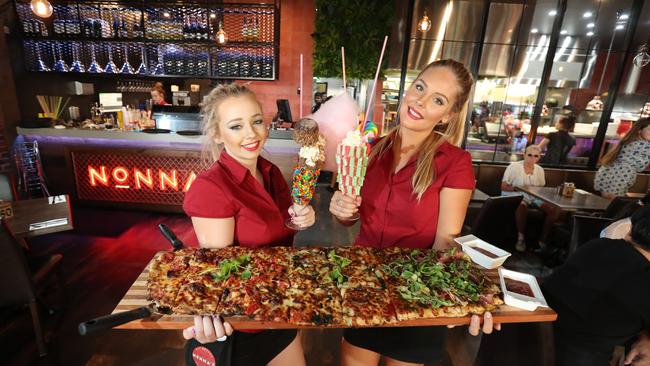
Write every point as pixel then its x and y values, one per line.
pixel 527 173
pixel 602 298
pixel 559 143
pixel 619 228
pixel 620 165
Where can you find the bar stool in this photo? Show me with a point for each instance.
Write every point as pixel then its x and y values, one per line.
pixel 31 179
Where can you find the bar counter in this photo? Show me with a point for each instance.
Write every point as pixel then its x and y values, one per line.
pixel 113 168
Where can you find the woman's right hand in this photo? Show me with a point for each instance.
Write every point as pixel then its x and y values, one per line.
pixel 344 206
pixel 208 329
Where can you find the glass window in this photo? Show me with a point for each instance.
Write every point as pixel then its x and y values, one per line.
pixel 584 65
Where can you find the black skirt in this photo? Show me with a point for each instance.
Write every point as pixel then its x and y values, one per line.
pixel 250 349
pixel 407 344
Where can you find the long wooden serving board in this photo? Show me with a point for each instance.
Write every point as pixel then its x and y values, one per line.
pixel 136 297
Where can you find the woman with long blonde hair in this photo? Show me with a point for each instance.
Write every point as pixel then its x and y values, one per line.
pixel 620 165
pixel 417 188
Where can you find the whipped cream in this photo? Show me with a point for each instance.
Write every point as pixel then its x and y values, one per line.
pixel 353 138
pixel 311 154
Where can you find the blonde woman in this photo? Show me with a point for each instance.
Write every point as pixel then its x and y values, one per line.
pixel 241 200
pixel 619 167
pixel 417 189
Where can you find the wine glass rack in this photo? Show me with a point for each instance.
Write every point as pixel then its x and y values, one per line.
pixel 153 38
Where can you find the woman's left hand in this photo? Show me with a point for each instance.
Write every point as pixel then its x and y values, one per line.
pixel 488 324
pixel 302 216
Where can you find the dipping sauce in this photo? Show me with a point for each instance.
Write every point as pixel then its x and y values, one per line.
pixel 519 287
pixel 486 252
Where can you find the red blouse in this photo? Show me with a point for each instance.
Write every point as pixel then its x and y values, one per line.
pixel 391 215
pixel 228 189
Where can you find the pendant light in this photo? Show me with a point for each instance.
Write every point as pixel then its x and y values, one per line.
pixel 41 8
pixel 221 36
pixel 425 23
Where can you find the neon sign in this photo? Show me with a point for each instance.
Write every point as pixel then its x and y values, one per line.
pixel 123 178
pixel 135 176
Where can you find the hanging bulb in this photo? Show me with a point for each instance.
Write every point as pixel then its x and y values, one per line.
pixel 221 36
pixel 41 8
pixel 425 23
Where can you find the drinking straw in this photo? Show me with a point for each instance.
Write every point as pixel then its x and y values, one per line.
pixel 301 86
pixel 374 84
pixel 343 67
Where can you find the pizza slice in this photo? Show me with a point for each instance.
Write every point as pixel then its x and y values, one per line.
pixel 166 274
pixel 367 306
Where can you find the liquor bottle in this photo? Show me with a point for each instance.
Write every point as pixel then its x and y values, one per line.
pixel 59 26
pixel 137 27
pixel 124 31
pixel 42 27
pixel 116 27
pixel 28 27
pixel 256 29
pixel 186 27
pixel 244 30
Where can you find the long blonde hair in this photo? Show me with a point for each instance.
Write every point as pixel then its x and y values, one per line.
pixel 452 131
pixel 632 135
pixel 210 116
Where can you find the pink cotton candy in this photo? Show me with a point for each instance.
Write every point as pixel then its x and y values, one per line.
pixel 335 118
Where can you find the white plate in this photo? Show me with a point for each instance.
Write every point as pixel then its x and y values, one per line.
pixel 516 299
pixel 469 242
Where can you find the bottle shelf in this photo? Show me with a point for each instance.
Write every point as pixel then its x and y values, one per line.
pixel 153 38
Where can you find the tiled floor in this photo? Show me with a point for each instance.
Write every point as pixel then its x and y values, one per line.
pixel 108 249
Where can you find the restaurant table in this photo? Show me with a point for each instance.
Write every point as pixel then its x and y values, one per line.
pixel 581 200
pixel 636 194
pixel 479 196
pixel 136 297
pixel 39 216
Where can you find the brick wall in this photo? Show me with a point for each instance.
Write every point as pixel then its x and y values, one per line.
pixel 297 19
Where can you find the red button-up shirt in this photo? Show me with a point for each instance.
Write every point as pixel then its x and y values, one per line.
pixel 228 189
pixel 391 215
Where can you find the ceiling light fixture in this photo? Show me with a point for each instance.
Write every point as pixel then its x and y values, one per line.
pixel 563 32
pixel 587 14
pixel 534 30
pixel 425 23
pixel 552 13
pixel 41 8
pixel 221 36
pixel 589 34
pixel 623 17
pixel 620 26
pixel 591 25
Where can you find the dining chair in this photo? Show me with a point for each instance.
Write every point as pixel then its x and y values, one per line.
pixel 621 207
pixel 586 228
pixel 22 279
pixel 495 222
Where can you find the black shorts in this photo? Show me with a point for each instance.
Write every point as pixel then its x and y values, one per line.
pixel 407 344
pixel 249 349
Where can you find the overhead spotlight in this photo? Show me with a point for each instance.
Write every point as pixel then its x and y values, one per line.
pixel 620 26
pixel 624 17
pixel 41 8
pixel 213 15
pixel 534 30
pixel 563 32
pixel 552 13
pixel 587 14
pixel 589 34
pixel 591 25
pixel 166 14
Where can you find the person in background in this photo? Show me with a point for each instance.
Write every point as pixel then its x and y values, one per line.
pixel 242 199
pixel 602 298
pixel 619 167
pixel 318 100
pixel 416 191
pixel 158 94
pixel 527 173
pixel 559 143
